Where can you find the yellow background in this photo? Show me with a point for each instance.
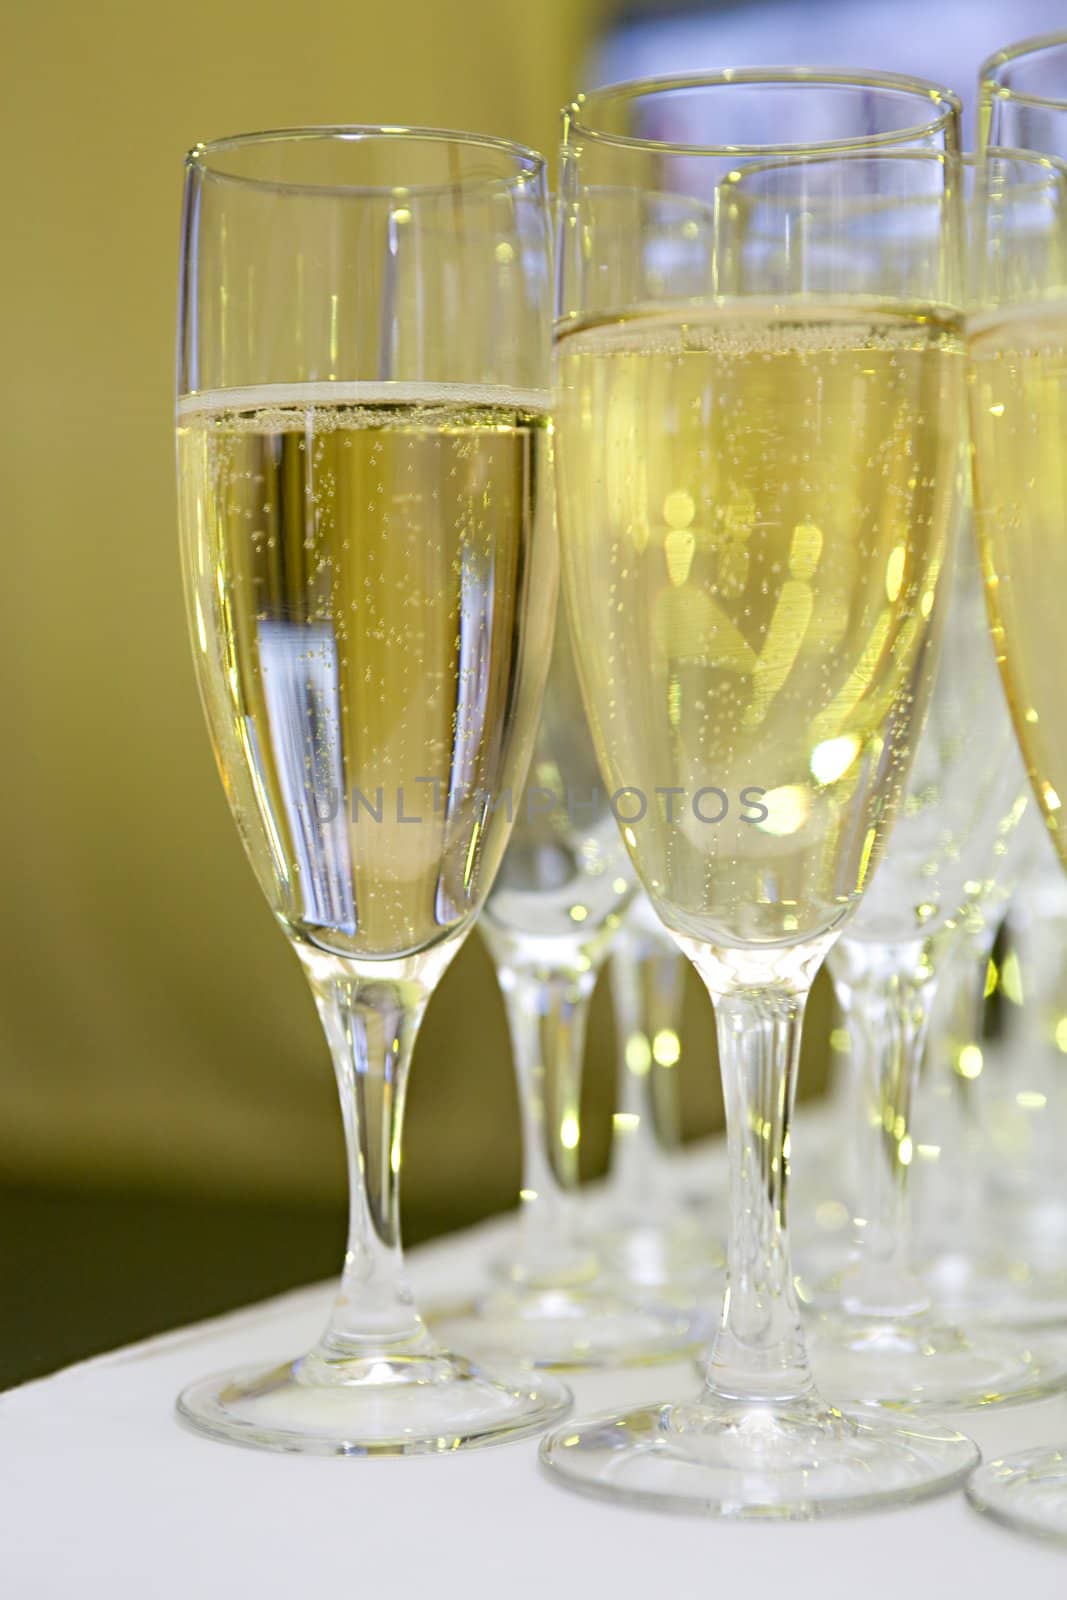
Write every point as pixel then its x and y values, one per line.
pixel 153 1025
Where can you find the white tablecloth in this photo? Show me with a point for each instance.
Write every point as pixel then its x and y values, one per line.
pixel 103 1493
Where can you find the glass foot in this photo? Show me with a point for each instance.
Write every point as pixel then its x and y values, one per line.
pixel 999 1290
pixel 821 1210
pixel 924 1362
pixel 794 1460
pixel 651 1256
pixel 567 1327
pixel 1027 1491
pixel 397 1405
pixel 820 1270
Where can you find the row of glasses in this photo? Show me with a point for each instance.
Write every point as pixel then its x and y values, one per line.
pixel 558 903
pixel 989 1172
pixel 883 1337
pixel 759 387
pixel 924 934
pixel 1018 350
pixel 1024 1100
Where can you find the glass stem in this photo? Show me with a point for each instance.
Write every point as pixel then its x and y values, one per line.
pixel 758 1353
pixel 954 1188
pixel 547 1011
pixel 973 955
pixel 371 1021
pixel 976 948
pixel 646 988
pixel 886 993
pixel 847 1105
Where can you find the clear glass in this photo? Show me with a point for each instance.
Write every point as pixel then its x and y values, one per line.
pixel 370 566
pixel 992 1214
pixel 882 1338
pixel 1023 1105
pixel 647 993
pixel 552 915
pixel 1021 99
pixel 723 386
pixel 651 1230
pixel 1027 1491
pixel 1018 359
pixel 976 1255
pixel 953 1223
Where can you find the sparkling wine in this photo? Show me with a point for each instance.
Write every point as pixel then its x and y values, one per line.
pixel 755 504
pixel 1019 425
pixel 371 587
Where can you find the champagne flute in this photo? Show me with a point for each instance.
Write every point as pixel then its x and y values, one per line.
pixel 980 1258
pixel 556 905
pixel 756 491
pixel 370 568
pixel 969 1242
pixel 884 1339
pixel 1018 391
pixel 1025 1105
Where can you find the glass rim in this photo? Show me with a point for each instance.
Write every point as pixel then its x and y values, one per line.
pixel 1034 46
pixel 978 160
pixel 797 77
pixel 528 163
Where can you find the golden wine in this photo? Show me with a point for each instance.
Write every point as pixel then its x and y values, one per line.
pixel 755 503
pixel 371 582
pixel 1019 426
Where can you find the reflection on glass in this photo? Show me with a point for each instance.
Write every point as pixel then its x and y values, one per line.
pixel 557 905
pixel 370 569
pixel 756 498
pixel 652 1230
pixel 935 893
pixel 1019 422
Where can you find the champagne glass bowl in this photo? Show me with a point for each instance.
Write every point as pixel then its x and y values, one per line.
pixel 370 569
pixel 757 449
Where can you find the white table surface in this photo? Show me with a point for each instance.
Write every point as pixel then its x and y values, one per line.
pixel 103 1493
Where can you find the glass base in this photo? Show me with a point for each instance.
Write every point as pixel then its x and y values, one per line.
pixel 577 1328
pixel 821 1268
pixel 924 1362
pixel 654 1255
pixel 395 1405
pixel 821 1211
pixel 824 1223
pixel 999 1290
pixel 1027 1491
pixel 794 1460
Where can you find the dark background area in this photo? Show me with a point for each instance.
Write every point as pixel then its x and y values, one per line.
pixel 85 1267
